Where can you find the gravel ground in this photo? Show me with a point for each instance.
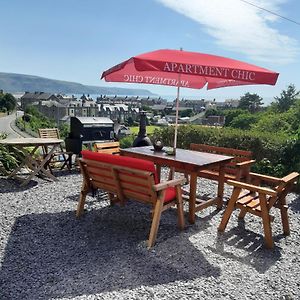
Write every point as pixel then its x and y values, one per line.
pixel 46 253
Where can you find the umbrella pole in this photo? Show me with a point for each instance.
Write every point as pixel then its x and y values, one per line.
pixel 176 119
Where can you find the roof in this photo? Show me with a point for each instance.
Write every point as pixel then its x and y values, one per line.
pixel 158 107
pixel 49 103
pixel 37 96
pixel 94 120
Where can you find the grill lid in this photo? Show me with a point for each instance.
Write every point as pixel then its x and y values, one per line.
pixel 95 120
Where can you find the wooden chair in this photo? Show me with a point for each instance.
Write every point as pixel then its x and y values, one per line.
pixel 111 174
pixel 258 200
pixel 64 158
pixel 107 147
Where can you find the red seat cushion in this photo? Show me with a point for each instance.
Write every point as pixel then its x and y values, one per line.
pixel 123 161
pixel 170 194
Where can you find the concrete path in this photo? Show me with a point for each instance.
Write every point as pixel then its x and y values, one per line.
pixel 7 125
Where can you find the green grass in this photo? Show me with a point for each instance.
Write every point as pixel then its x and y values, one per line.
pixel 150 129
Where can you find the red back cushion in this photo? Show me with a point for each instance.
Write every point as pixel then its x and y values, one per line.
pixel 123 161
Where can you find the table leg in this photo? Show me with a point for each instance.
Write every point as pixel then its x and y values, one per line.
pixel 192 200
pixel 221 186
pixel 24 161
pixel 40 166
pixel 158 172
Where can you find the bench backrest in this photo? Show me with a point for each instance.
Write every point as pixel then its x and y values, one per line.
pixel 239 156
pixel 127 177
pixel 107 147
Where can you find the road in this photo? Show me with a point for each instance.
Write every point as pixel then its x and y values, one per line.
pixel 7 125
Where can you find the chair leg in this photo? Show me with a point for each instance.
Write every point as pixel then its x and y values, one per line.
pixel 242 213
pixel 83 193
pixel 171 173
pixel 180 207
pixel 155 221
pixel 266 222
pixel 229 209
pixel 285 220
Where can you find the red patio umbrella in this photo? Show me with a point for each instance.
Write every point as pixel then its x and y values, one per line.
pixel 189 70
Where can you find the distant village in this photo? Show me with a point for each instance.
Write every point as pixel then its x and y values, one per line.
pixel 120 108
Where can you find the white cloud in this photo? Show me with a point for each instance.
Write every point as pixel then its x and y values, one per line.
pixel 240 27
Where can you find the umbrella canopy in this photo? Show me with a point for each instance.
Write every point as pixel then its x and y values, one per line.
pixel 189 70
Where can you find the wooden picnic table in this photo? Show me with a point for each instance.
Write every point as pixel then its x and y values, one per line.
pixel 35 163
pixel 190 162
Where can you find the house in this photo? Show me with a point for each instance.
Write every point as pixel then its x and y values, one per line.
pixel 52 109
pixel 118 112
pixel 29 98
pixel 83 108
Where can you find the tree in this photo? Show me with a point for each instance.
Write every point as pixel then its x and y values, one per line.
pixel 186 113
pixel 7 102
pixel 213 112
pixel 251 102
pixel 230 114
pixel 287 98
pixel 129 121
pixel 244 121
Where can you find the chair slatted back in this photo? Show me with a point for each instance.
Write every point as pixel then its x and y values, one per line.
pixel 49 133
pixel 283 188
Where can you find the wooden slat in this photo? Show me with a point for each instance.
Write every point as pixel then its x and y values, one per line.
pixel 129 194
pixel 139 180
pixel 100 170
pixel 222 150
pixel 135 187
pixel 205 203
pixel 102 179
pixel 105 187
pixel 245 199
pixel 48 133
pixel 254 203
pixel 108 148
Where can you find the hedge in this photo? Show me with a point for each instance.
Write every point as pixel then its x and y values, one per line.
pixel 275 154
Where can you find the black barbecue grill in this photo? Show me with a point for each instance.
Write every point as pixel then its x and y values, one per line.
pixel 88 130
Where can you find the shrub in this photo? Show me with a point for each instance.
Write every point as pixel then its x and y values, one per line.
pixel 127 141
pixel 10 157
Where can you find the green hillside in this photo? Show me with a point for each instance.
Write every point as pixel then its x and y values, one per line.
pixel 12 83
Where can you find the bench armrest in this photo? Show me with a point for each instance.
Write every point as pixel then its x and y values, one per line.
pixel 266 178
pixel 245 163
pixel 253 188
pixel 166 184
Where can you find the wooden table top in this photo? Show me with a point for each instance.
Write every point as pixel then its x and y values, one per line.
pixel 30 141
pixel 188 157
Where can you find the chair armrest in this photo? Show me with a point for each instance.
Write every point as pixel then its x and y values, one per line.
pixel 246 163
pixel 166 184
pixel 253 188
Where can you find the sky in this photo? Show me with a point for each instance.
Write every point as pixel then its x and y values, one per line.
pixel 77 40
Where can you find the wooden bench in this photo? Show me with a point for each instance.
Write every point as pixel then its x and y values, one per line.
pixel 126 178
pixel 237 169
pixel 107 147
